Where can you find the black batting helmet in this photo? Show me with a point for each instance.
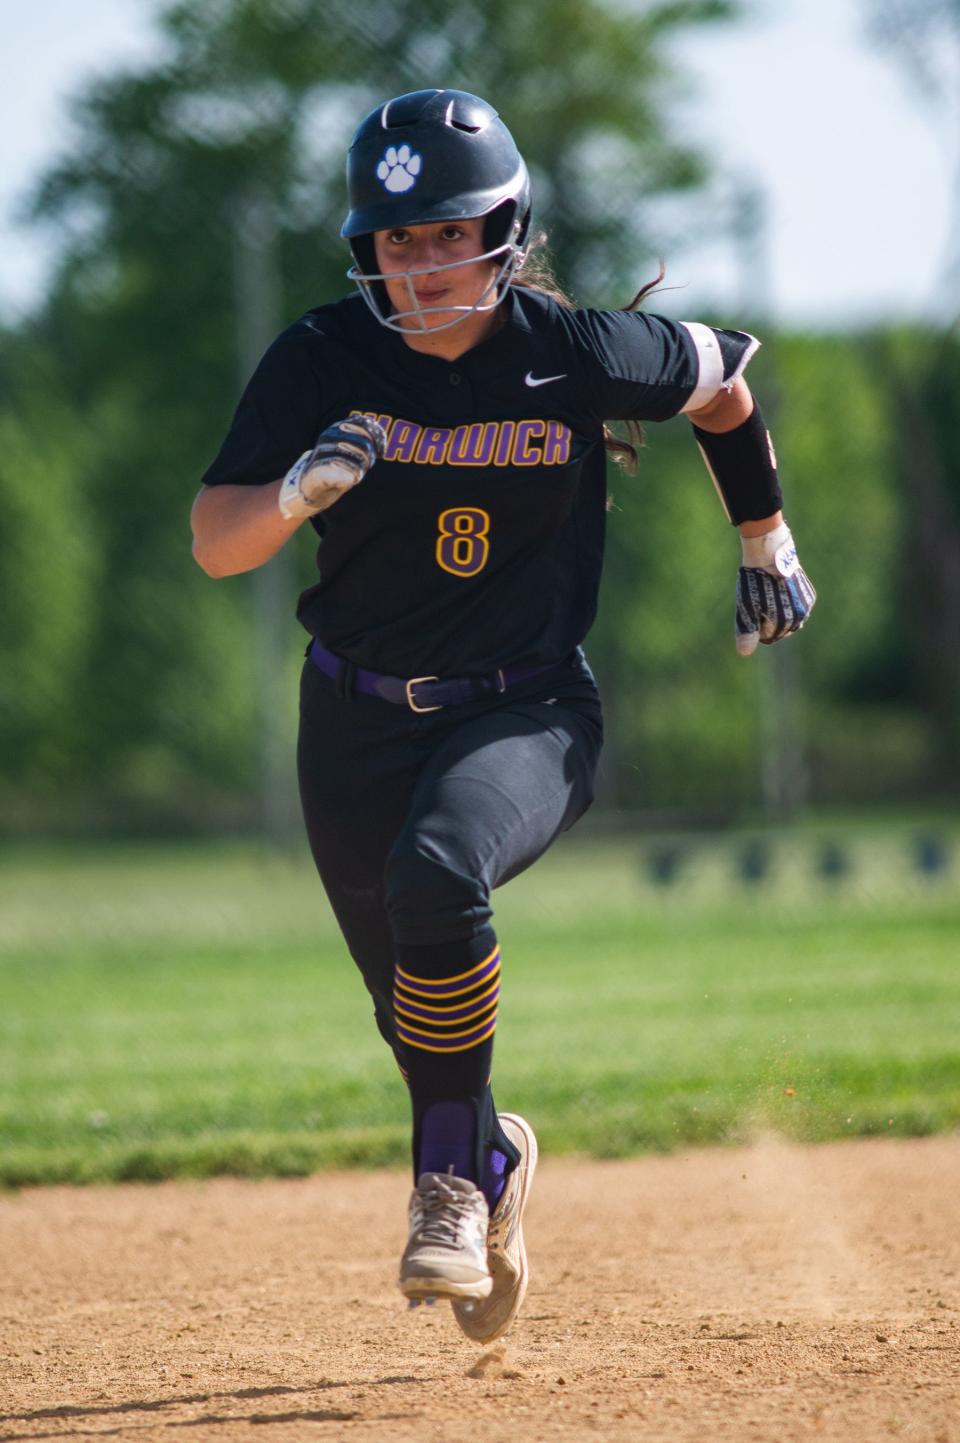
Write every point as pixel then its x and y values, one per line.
pixel 430 156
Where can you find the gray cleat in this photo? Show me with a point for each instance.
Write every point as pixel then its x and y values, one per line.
pixel 490 1318
pixel 446 1255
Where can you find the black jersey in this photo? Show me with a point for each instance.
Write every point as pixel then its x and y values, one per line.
pixel 476 542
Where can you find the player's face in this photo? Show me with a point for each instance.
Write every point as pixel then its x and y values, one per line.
pixel 419 247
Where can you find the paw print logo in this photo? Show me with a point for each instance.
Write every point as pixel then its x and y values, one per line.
pixel 399 168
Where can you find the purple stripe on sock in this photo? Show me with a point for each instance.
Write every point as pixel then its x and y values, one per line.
pixel 437 1033
pixel 442 1028
pixel 442 1015
pixel 437 1042
pixel 457 984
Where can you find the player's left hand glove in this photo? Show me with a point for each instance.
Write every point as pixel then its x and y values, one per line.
pixel 342 456
pixel 774 594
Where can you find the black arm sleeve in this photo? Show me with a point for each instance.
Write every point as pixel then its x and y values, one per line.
pixel 279 416
pixel 649 368
pixel 743 465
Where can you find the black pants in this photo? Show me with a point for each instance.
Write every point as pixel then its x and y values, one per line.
pixel 413 819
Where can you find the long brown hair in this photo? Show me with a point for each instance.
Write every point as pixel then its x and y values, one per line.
pixel 537 274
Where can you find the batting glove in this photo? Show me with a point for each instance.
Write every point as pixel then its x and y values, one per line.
pixel 774 594
pixel 342 456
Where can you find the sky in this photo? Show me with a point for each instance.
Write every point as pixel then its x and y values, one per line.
pixel 791 101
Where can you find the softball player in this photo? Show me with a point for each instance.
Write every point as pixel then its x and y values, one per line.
pixel 450 725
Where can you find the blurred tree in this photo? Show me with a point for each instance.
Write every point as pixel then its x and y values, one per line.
pixel 49 575
pixel 915 30
pixel 923 38
pixel 254 100
pixel 921 377
pixel 681 702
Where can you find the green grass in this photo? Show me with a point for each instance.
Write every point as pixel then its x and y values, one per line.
pixel 191 1011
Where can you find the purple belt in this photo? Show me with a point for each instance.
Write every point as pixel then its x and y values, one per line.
pixel 423 693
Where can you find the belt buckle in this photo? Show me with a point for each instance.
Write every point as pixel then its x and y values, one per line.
pixel 411 701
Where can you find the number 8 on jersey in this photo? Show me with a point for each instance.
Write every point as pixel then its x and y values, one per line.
pixel 462 545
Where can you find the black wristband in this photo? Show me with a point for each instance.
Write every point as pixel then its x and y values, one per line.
pixel 744 468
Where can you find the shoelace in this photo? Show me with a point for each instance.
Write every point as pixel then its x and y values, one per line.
pixel 443 1212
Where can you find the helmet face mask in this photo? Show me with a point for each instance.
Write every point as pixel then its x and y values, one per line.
pixel 435 156
pixel 372 286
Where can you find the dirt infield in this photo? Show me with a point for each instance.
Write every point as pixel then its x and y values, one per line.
pixel 769 1293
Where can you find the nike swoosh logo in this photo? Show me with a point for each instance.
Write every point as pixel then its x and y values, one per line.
pixel 531 380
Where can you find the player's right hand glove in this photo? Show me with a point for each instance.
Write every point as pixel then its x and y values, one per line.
pixel 342 456
pixel 774 594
